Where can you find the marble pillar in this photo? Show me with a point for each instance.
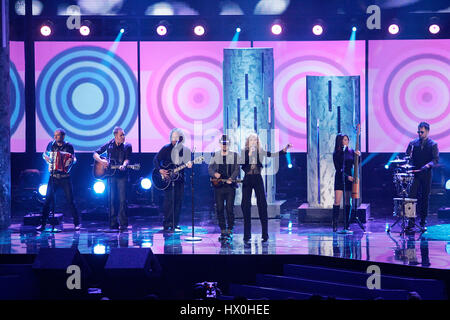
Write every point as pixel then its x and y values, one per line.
pixel 333 106
pixel 248 75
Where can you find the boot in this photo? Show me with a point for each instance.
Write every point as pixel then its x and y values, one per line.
pixel 335 217
pixel 347 212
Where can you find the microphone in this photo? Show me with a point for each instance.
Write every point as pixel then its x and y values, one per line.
pixel 343 149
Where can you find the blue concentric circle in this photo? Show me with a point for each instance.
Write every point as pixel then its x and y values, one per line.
pixel 87 91
pixel 17 98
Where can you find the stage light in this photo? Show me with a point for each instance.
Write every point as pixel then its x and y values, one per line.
pixel 122 30
pixel 386 166
pixel 434 29
pixel 393 28
pixel 99 187
pixel 46 30
pixel 161 30
pixel 199 30
pixel 42 190
pixel 85 31
pixel 354 29
pixel 99 249
pixel 238 29
pixel 317 29
pixel 447 185
pixel 290 165
pixel 276 29
pixel 146 183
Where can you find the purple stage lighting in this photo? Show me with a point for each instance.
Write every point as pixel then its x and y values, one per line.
pixel 199 30
pixel 393 29
pixel 276 29
pixel 434 29
pixel 317 29
pixel 161 30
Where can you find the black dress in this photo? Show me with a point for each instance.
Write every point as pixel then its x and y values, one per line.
pixel 338 157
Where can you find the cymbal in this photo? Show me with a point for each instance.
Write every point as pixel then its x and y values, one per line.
pixel 406 166
pixel 397 161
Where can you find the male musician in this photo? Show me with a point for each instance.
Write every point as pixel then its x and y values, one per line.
pixel 173 153
pixel 224 165
pixel 118 153
pixel 59 179
pixel 424 155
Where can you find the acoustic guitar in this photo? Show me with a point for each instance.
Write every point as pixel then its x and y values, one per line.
pixel 218 182
pixel 100 172
pixel 161 182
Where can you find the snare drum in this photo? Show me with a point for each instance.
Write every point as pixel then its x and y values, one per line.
pixel 405 206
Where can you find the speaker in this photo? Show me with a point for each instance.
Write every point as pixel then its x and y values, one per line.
pixel 62 273
pixel 131 273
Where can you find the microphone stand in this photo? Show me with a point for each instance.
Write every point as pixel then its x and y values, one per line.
pixel 345 230
pixel 52 191
pixel 192 238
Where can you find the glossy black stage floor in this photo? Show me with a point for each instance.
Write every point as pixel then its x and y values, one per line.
pixel 287 237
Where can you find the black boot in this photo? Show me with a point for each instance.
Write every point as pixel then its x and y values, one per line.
pixel 335 217
pixel 347 212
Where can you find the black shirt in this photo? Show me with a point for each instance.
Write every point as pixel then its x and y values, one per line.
pixel 338 158
pixel 164 157
pixel 117 154
pixel 256 159
pixel 423 152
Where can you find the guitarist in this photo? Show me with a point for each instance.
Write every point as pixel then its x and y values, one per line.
pixel 224 165
pixel 119 153
pixel 173 153
pixel 59 179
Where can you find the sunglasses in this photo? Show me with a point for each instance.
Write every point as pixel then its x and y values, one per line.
pixel 420 132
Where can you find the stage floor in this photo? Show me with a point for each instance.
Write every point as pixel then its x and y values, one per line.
pixel 287 237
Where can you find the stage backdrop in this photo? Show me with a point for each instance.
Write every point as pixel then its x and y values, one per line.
pixel 87 88
pixel 181 86
pixel 294 60
pixel 409 82
pixel 17 97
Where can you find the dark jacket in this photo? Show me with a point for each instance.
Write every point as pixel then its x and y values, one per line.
pixel 338 157
pixel 257 158
pixel 422 154
pixel 232 162
pixel 164 157
pixel 117 153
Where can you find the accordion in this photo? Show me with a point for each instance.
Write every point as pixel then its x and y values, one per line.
pixel 59 162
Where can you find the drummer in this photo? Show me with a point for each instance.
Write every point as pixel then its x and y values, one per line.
pixel 59 178
pixel 424 155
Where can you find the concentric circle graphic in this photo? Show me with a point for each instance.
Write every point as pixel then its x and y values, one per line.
pixel 418 89
pixel 17 98
pixel 189 91
pixel 290 90
pixel 87 91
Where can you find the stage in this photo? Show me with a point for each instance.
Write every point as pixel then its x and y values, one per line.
pixel 287 237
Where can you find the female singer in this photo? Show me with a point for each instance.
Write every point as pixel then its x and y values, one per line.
pixel 252 157
pixel 342 151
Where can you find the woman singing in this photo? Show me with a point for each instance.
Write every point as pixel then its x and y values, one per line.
pixel 343 168
pixel 252 166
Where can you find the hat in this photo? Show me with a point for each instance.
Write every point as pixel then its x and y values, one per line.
pixel 224 139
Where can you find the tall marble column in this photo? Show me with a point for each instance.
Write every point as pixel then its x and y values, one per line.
pixel 5 161
pixel 248 75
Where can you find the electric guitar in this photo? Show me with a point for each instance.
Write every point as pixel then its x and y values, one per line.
pixel 218 182
pixel 355 186
pixel 161 182
pixel 100 172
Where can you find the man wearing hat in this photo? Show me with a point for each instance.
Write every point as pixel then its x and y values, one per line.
pixel 224 165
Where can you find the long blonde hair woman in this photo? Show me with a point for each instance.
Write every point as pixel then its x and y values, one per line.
pixel 252 157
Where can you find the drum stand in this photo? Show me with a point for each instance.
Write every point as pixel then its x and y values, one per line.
pixel 404 220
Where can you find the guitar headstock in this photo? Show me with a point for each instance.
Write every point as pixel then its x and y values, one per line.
pixel 358 128
pixel 136 166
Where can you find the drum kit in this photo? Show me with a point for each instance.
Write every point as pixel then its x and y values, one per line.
pixel 404 207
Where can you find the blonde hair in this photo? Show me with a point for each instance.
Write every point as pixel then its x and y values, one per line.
pixel 247 141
